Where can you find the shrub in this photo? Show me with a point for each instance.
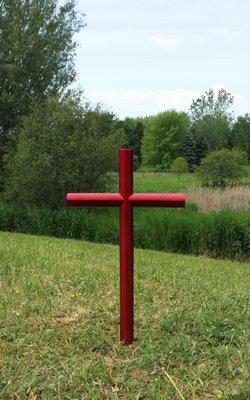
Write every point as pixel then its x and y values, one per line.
pixel 222 167
pixel 63 147
pixel 179 166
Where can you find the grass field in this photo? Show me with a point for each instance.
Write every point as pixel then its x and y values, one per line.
pixel 169 182
pixel 59 324
pixel 207 199
pixel 163 182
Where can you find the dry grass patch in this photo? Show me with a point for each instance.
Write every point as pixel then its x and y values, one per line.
pixel 233 198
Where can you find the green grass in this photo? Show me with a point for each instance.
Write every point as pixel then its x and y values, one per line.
pixel 163 182
pixel 169 182
pixel 59 324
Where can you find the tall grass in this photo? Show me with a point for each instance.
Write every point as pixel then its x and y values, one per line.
pixel 222 234
pixel 233 198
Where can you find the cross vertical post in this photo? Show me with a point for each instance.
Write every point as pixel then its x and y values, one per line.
pixel 126 200
pixel 126 247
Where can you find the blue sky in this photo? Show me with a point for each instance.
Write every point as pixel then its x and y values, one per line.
pixel 144 56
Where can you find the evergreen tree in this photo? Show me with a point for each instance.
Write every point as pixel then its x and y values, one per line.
pixel 189 151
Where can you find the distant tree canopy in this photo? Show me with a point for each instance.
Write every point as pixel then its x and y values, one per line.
pixel 211 121
pixel 62 147
pixel 36 57
pixel 242 134
pixel 222 167
pixel 210 104
pixel 134 129
pixel 163 138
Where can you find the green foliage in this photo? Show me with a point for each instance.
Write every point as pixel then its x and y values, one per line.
pixel 212 132
pixel 210 104
pixel 37 50
pixel 36 57
pixel 221 234
pixel 163 137
pixel 189 151
pixel 222 167
pixel 179 166
pixel 211 121
pixel 242 134
pixel 134 128
pixel 63 147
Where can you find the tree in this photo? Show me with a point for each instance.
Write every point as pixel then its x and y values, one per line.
pixel 163 136
pixel 179 166
pixel 211 121
pixel 62 147
pixel 212 131
pixel 242 134
pixel 134 128
pixel 210 104
pixel 222 167
pixel 36 57
pixel 189 151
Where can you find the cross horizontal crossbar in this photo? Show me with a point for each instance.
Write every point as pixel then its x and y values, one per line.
pixel 94 199
pixel 116 199
pixel 126 200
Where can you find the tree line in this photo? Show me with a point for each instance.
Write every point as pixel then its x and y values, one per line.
pixel 208 126
pixel 52 141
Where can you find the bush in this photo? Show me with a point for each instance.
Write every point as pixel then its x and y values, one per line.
pixel 179 166
pixel 222 234
pixel 222 167
pixel 63 147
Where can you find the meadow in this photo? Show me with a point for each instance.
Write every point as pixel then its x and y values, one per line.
pixel 59 324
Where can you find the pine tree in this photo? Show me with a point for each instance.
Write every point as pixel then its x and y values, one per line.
pixel 189 151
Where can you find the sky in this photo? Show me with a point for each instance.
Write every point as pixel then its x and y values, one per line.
pixel 141 57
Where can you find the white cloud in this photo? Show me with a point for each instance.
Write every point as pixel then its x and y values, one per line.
pixel 226 32
pixel 172 43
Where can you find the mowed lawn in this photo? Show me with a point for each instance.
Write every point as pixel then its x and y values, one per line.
pixel 59 324
pixel 163 182
pixel 169 182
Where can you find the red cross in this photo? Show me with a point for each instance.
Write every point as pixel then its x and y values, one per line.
pixel 126 200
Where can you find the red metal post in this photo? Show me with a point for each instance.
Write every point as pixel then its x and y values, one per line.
pixel 126 200
pixel 126 247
